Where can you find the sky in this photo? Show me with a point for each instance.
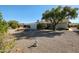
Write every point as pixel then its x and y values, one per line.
pixel 27 13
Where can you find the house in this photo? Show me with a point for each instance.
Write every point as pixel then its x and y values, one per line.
pixel 61 25
pixel 33 25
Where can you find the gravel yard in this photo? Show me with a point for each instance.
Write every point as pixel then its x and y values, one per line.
pixel 46 41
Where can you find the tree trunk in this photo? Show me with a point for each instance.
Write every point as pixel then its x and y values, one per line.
pixel 53 27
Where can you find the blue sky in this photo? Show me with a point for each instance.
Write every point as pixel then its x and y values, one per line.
pixel 27 13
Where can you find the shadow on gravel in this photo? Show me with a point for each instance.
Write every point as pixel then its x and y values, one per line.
pixel 27 34
pixel 77 32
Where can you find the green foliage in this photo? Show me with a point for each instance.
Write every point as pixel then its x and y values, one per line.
pixel 3 25
pixel 5 46
pixel 56 15
pixel 13 24
pixel 78 26
pixel 41 26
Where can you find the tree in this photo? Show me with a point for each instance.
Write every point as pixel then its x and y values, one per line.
pixel 58 14
pixel 13 24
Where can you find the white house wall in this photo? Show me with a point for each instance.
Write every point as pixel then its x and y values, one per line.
pixel 33 25
pixel 64 25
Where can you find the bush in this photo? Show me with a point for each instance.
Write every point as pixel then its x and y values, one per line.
pixel 13 24
pixel 6 46
pixel 41 26
pixel 78 26
pixel 3 25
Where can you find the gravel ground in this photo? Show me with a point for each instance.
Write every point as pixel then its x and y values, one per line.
pixel 46 41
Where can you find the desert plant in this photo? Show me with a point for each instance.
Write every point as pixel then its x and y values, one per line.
pixel 5 46
pixel 3 25
pixel 13 24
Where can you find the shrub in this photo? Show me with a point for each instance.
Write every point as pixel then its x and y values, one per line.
pixel 5 46
pixel 41 26
pixel 13 24
pixel 3 25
